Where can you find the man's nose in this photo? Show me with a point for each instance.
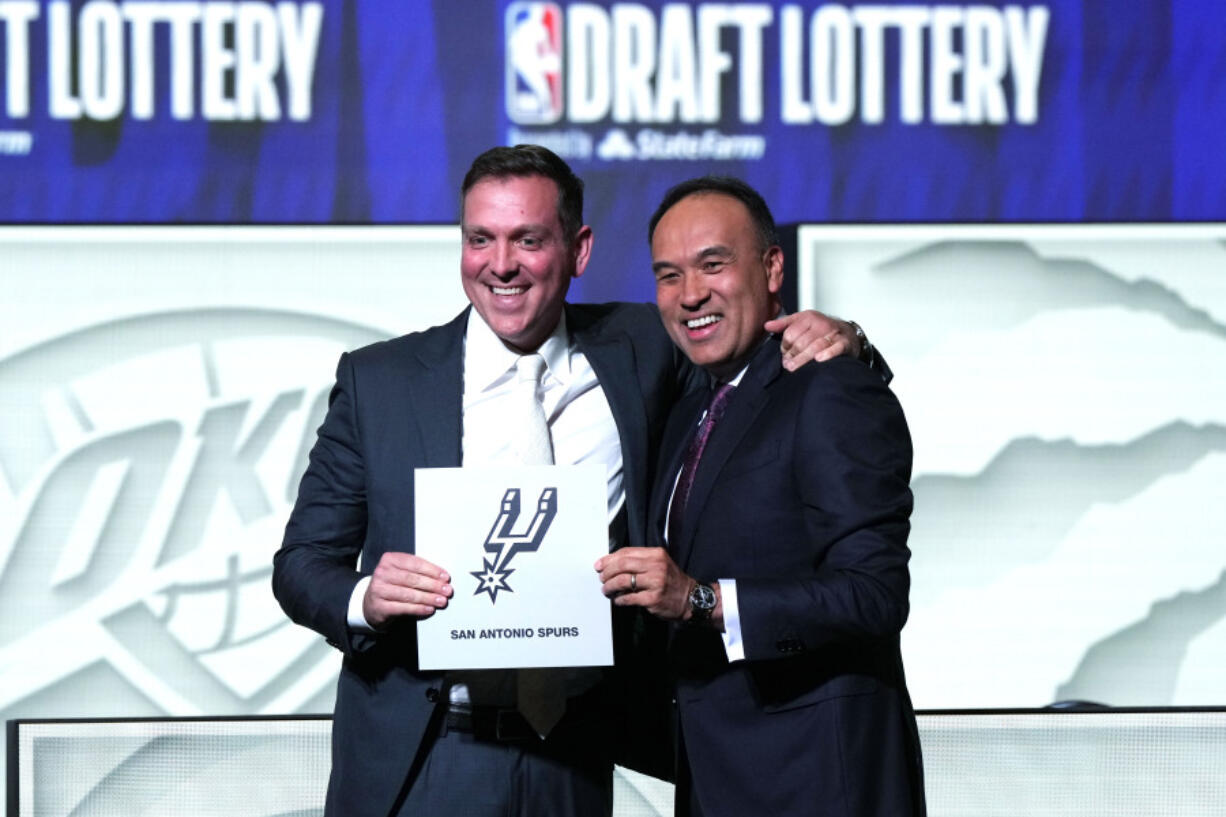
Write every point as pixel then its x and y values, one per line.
pixel 504 263
pixel 694 290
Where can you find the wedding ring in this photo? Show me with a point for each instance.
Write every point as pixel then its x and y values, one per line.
pixel 634 582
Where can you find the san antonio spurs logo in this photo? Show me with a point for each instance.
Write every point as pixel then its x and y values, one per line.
pixel 504 542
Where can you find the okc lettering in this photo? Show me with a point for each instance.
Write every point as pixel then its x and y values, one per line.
pixel 957 65
pixel 118 481
pixel 101 58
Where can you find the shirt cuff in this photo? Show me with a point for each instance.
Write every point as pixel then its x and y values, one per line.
pixel 734 646
pixel 357 619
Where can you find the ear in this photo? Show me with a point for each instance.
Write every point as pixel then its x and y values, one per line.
pixel 582 249
pixel 774 269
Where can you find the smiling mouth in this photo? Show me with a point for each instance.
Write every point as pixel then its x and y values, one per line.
pixel 508 290
pixel 705 320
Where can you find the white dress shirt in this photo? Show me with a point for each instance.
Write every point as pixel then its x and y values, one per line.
pixel 580 420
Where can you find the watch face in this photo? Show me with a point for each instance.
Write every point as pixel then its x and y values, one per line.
pixel 702 597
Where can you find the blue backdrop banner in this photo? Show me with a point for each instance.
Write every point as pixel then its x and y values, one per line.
pixel 360 112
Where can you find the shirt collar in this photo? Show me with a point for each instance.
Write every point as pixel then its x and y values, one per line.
pixel 487 360
pixel 736 381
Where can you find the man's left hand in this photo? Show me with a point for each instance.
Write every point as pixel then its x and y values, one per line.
pixel 810 335
pixel 646 577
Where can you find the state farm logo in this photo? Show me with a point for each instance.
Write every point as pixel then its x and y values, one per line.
pixel 146 470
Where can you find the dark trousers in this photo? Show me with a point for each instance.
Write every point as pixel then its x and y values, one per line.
pixel 570 773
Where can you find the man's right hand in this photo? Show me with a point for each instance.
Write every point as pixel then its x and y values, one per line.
pixel 405 585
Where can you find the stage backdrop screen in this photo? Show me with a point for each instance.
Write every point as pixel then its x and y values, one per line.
pixel 319 111
pixel 206 202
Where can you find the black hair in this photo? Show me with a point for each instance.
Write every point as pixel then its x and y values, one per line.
pixel 764 222
pixel 524 161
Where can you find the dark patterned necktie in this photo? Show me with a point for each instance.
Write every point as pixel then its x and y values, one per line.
pixel 689 466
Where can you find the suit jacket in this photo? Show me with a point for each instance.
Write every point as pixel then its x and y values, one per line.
pixel 396 406
pixel 802 497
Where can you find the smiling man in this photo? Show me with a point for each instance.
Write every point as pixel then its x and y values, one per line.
pixel 715 275
pixel 780 511
pixel 407 741
pixel 518 259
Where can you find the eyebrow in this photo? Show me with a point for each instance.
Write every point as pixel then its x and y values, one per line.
pixel 713 251
pixel 519 229
pixel 718 250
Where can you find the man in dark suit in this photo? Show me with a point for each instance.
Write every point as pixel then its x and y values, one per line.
pixel 783 514
pixel 407 741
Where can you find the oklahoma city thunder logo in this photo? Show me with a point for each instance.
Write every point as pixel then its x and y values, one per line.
pixel 504 542
pixel 147 522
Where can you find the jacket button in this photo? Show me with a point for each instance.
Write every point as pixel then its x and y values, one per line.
pixel 432 695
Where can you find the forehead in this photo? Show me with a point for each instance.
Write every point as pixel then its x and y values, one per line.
pixel 495 201
pixel 703 219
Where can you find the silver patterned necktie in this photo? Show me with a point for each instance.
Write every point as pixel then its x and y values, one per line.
pixel 540 693
pixel 532 442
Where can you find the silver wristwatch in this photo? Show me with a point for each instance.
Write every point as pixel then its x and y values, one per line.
pixel 867 353
pixel 702 602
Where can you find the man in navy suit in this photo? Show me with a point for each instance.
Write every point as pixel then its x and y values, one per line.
pixel 782 505
pixel 407 741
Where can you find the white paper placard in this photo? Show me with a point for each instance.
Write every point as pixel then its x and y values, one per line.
pixel 520 543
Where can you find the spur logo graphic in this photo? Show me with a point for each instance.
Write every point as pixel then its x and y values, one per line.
pixel 504 542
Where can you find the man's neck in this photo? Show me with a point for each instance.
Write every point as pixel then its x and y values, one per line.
pixel 732 371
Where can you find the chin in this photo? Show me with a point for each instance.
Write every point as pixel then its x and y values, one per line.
pixel 705 361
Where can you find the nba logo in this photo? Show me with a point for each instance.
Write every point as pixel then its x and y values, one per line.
pixel 534 63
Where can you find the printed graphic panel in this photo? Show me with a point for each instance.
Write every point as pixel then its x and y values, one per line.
pixel 1092 764
pixel 160 389
pixel 519 543
pixel 1069 421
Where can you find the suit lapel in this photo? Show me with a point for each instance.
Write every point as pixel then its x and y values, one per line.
pixel 438 398
pixel 612 358
pixel 681 427
pixel 747 402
